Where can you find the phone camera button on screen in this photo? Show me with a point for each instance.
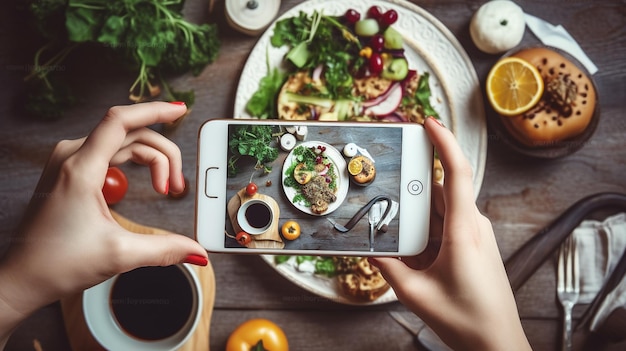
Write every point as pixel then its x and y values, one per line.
pixel 415 187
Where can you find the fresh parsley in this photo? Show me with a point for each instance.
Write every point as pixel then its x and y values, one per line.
pixel 255 141
pixel 149 36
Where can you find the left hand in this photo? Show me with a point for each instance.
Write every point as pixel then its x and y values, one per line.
pixel 68 240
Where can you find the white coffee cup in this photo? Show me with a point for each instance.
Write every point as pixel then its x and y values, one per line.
pixel 255 216
pixel 106 328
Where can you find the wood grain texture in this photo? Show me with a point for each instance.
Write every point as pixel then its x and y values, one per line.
pixel 78 333
pixel 519 195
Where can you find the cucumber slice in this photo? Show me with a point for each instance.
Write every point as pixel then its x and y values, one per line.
pixel 396 69
pixel 366 27
pixel 393 39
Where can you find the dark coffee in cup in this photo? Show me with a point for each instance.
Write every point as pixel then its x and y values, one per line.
pixel 152 303
pixel 258 215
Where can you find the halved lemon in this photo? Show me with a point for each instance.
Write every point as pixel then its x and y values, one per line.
pixel 514 86
pixel 355 166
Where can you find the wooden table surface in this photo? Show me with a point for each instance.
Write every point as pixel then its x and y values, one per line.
pixel 519 195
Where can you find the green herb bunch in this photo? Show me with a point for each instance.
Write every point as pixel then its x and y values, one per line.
pixel 255 141
pixel 318 39
pixel 151 36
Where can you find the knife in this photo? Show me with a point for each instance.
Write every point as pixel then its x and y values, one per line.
pixel 424 336
pixel 559 38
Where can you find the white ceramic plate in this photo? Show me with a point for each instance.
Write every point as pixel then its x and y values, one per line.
pixel 343 183
pixel 429 47
pixel 327 288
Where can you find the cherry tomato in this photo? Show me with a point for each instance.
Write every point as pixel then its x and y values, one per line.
pixel 291 230
pixel 377 43
pixel 352 16
pixel 388 18
pixel 243 238
pixel 115 186
pixel 376 64
pixel 374 12
pixel 251 332
pixel 251 189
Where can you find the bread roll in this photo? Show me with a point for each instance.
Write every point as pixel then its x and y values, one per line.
pixel 566 107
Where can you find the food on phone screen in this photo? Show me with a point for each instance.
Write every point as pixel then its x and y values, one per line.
pixel 363 168
pixel 291 230
pixel 251 189
pixel 566 107
pixel 314 177
pixel 243 238
pixel 115 186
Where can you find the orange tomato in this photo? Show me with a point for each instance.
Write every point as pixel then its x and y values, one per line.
pixel 291 230
pixel 249 333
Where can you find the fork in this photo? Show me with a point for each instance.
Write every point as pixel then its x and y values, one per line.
pixel 568 286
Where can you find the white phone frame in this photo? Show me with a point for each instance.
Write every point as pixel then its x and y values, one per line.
pixel 211 188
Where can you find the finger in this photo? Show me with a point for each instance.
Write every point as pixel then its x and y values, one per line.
pixel 438 203
pixel 147 147
pixel 109 135
pixel 157 250
pixel 147 156
pixel 458 185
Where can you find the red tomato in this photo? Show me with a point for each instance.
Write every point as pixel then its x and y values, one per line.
pixel 251 189
pixel 115 186
pixel 243 238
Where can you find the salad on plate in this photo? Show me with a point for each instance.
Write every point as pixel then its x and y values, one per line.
pixel 342 68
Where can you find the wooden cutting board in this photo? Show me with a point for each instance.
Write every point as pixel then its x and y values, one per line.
pixel 268 239
pixel 79 335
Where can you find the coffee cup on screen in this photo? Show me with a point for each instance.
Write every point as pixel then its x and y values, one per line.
pixel 255 216
pixel 148 308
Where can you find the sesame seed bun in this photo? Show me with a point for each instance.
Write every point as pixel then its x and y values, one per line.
pixel 566 107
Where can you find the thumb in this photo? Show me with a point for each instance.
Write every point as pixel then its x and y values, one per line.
pixel 410 285
pixel 161 250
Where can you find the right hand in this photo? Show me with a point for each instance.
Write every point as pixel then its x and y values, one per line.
pixel 461 291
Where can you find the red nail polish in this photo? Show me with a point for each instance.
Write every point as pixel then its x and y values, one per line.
pixel 179 103
pixel 167 187
pixel 197 260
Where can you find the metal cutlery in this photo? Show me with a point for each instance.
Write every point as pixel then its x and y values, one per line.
pixel 568 286
pixel 373 216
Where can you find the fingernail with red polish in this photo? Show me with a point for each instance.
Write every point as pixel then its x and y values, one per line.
pixel 167 187
pixel 179 103
pixel 197 260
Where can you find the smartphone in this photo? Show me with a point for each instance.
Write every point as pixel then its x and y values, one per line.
pixel 313 187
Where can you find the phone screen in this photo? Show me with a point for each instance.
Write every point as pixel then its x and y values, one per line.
pixel 334 188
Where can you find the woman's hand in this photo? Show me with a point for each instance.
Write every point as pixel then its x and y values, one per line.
pixel 461 290
pixel 68 240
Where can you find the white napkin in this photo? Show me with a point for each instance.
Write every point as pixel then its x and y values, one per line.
pixel 600 245
pixel 558 37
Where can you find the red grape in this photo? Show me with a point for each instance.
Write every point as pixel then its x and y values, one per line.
pixel 376 63
pixel 388 18
pixel 352 16
pixel 374 12
pixel 377 43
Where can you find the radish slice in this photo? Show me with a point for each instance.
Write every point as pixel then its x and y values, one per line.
pixel 389 104
pixel 377 100
pixel 394 117
pixel 317 73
